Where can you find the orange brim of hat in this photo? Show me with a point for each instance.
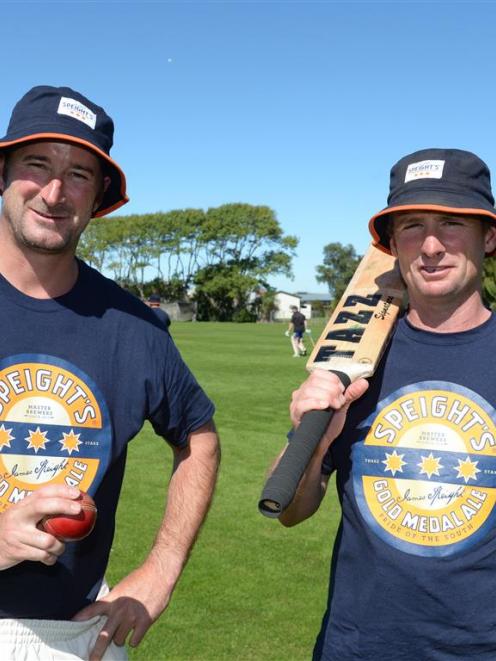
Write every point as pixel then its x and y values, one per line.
pixel 381 239
pixel 119 196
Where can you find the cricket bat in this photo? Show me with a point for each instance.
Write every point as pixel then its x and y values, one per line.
pixel 351 346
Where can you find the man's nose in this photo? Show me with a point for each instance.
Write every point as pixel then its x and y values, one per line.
pixel 432 245
pixel 53 192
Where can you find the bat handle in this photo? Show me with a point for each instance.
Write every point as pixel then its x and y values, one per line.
pixel 281 486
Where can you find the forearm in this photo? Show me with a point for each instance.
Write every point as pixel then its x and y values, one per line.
pixel 141 596
pixel 309 494
pixel 321 390
pixel 189 496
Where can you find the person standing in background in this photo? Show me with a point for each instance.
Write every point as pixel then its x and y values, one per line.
pixel 153 302
pixel 296 330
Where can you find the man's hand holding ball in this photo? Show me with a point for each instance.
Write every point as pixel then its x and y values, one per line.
pixel 72 528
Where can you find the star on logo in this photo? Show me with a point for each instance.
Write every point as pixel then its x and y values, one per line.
pixel 70 442
pixel 37 439
pixel 467 469
pixel 430 465
pixel 5 437
pixel 394 462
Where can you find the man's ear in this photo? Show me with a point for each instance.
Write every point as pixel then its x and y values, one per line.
pixel 392 247
pixel 490 239
pixel 2 167
pixel 99 197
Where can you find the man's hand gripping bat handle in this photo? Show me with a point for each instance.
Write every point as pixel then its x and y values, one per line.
pixel 281 486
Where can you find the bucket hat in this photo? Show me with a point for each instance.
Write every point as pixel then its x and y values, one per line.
pixel 61 113
pixel 443 180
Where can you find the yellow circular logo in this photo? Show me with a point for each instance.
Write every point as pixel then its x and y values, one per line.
pixel 424 470
pixel 54 427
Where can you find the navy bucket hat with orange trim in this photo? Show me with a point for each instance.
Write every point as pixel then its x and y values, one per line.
pixel 60 113
pixel 443 180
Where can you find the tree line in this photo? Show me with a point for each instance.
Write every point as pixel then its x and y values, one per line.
pixel 222 256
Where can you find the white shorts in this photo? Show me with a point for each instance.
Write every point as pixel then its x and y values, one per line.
pixel 54 640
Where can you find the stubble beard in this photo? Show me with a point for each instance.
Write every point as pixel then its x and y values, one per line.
pixel 47 241
pixel 44 248
pixel 34 237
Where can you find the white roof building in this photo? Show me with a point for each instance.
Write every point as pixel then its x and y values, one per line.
pixel 284 301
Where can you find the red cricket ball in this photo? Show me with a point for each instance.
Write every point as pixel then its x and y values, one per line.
pixel 72 528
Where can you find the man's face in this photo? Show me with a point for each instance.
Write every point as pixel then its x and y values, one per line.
pixel 440 255
pixel 51 190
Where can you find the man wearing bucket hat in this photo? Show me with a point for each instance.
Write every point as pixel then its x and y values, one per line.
pixel 414 450
pixel 83 364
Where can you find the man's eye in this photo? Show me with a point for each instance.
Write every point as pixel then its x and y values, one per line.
pixel 82 176
pixel 36 164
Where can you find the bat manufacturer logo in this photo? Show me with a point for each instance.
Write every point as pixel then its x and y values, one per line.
pixel 382 314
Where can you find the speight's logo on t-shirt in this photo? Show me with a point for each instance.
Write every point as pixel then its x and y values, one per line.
pixel 424 471
pixel 54 427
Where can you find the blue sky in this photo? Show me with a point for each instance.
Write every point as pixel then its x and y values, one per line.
pixel 302 106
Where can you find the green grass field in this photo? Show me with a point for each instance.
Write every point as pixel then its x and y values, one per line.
pixel 252 589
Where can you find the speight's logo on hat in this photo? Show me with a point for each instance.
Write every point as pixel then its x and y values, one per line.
pixel 424 170
pixel 77 110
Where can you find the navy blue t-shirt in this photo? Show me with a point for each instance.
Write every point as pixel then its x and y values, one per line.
pixel 163 316
pixel 413 571
pixel 298 321
pixel 79 375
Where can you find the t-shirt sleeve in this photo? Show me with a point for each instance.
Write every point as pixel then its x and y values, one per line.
pixel 178 404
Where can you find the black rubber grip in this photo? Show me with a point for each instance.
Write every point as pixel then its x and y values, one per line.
pixel 281 486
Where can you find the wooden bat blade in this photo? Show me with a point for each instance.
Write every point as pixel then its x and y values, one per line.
pixel 351 346
pixel 359 328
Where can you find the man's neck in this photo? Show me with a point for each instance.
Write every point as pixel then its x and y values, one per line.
pixel 446 319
